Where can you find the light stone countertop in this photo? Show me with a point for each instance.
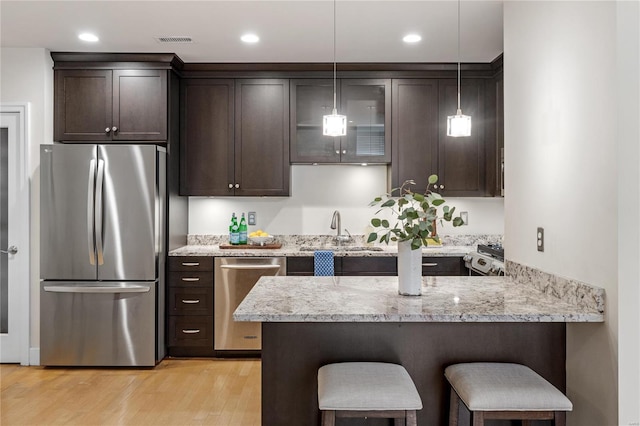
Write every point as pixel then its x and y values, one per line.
pixel 290 250
pixel 376 299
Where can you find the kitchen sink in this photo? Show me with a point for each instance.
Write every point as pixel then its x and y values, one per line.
pixel 342 248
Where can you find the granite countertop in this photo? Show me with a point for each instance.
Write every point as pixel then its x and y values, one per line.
pixel 376 299
pixel 291 250
pixel 209 245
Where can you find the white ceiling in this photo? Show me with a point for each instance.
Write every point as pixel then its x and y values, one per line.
pixel 290 31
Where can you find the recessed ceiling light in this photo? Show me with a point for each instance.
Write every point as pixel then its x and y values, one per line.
pixel 250 38
pixel 411 38
pixel 88 37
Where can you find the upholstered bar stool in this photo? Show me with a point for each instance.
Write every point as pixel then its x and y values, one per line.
pixel 367 389
pixel 504 391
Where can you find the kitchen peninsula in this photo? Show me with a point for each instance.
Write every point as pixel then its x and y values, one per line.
pixel 308 322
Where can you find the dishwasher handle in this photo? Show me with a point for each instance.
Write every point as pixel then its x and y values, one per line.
pixel 96 289
pixel 250 266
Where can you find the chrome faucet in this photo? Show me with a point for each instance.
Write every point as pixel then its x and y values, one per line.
pixel 335 224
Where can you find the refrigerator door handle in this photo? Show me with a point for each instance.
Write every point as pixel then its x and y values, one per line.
pixel 91 212
pixel 98 215
pixel 97 289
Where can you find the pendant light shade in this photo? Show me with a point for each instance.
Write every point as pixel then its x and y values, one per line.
pixel 334 124
pixel 459 125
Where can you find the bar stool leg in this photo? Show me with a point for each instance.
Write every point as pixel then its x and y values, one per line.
pixel 329 418
pixel 412 419
pixel 478 418
pixel 454 406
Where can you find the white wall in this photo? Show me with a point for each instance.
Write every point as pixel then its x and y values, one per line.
pixel 316 191
pixel 26 75
pixel 561 173
pixel 628 77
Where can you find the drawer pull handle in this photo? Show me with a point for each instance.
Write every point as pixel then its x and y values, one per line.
pixel 196 331
pixel 190 263
pixel 190 279
pixel 190 301
pixel 430 264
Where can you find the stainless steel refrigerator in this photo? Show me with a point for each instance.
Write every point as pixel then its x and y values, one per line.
pixel 102 254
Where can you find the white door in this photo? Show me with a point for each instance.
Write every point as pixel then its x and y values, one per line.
pixel 14 235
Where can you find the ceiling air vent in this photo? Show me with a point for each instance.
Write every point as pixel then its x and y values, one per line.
pixel 174 39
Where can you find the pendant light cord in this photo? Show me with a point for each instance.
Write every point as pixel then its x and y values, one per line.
pixel 458 57
pixel 334 55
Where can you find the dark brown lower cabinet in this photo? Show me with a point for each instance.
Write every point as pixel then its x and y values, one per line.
pixel 190 306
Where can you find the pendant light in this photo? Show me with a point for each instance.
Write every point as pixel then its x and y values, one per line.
pixel 459 125
pixel 334 124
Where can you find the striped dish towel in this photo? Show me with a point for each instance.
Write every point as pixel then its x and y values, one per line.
pixel 323 263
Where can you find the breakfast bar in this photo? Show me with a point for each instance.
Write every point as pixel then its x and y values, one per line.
pixel 308 322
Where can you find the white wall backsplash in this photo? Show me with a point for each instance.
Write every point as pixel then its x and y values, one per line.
pixel 316 191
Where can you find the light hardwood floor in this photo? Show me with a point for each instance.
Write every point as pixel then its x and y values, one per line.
pixel 175 392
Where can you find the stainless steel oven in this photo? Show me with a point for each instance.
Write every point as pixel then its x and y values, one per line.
pixel 234 278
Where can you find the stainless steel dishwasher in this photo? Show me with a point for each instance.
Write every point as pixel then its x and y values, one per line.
pixel 234 278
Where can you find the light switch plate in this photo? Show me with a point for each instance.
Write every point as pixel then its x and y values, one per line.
pixel 540 239
pixel 251 218
pixel 465 217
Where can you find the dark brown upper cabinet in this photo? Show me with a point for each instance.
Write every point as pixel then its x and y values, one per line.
pixel 235 137
pixel 110 105
pixel 206 134
pixel 421 146
pixel 367 105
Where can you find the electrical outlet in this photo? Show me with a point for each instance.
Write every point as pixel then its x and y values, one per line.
pixel 251 218
pixel 465 217
pixel 540 239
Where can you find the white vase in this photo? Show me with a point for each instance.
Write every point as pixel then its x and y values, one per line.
pixel 409 270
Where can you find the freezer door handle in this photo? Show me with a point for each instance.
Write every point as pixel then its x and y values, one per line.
pixel 96 289
pixel 250 266
pixel 98 216
pixel 91 212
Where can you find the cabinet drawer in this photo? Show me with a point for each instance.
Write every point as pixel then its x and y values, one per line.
pixel 370 266
pixel 191 331
pixel 191 301
pixel 190 279
pixel 442 266
pixel 191 263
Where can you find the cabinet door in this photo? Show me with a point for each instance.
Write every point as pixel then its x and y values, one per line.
pixel 83 108
pixel 262 137
pixel 140 105
pixel 206 134
pixel 311 99
pixel 367 105
pixel 461 161
pixel 415 131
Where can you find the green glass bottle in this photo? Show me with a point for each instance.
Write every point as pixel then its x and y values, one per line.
pixel 243 230
pixel 234 231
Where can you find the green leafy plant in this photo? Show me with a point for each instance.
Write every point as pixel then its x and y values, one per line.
pixel 416 215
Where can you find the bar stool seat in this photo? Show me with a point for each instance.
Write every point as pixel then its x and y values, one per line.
pixel 504 391
pixel 367 389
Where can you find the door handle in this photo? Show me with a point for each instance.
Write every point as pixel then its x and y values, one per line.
pixel 430 264
pixel 96 289
pixel 11 250
pixel 188 279
pixel 98 214
pixel 190 301
pixel 91 213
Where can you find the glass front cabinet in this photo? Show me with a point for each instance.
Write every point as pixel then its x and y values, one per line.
pixel 367 105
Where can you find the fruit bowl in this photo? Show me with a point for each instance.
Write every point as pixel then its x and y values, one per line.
pixel 260 241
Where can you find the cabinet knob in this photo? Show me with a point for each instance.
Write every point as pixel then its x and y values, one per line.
pixel 230 186
pixel 114 128
pixel 337 151
pixel 344 151
pixel 441 186
pixel 107 130
pixel 237 185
